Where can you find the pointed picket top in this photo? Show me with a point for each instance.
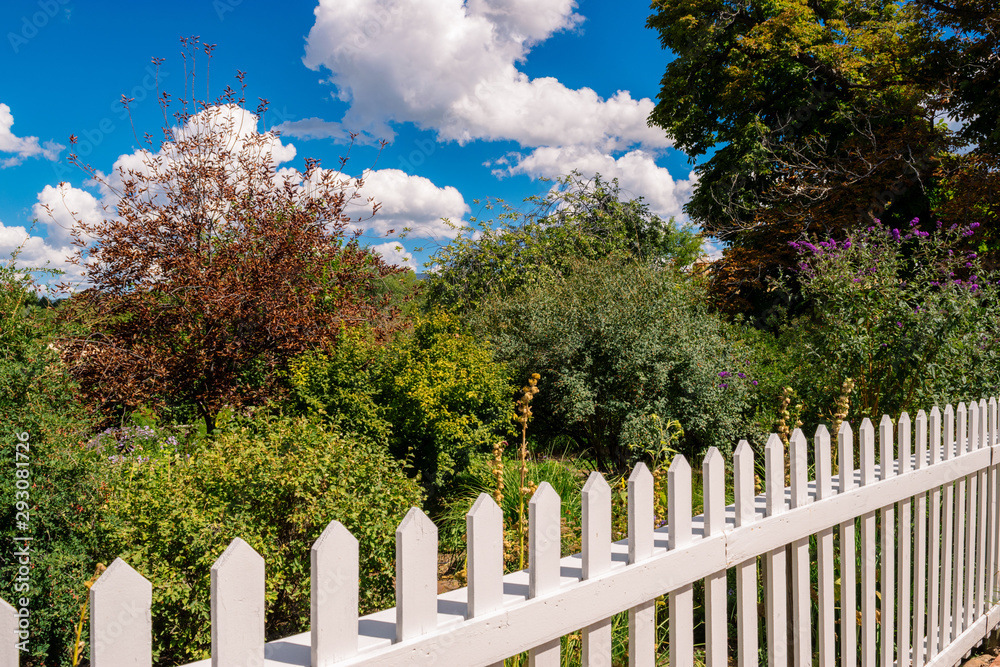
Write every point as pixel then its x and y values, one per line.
pixel 744 483
pixel 984 423
pixel 845 454
pixel 974 443
pixel 903 444
pixel 679 502
pixel 9 654
pixel 333 570
pixel 596 514
pixel 961 435
pixel 640 514
pixel 992 421
pixel 921 439
pixel 544 543
pixel 866 445
pixel 824 463
pixel 948 424
pixel 774 475
pixel 798 455
pixel 885 447
pixel 121 626
pixel 238 606
pixel 934 426
pixel 484 546
pixel 713 475
pixel 416 575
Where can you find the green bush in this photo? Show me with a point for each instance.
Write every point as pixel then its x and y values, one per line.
pixel 615 343
pixel 911 316
pixel 434 395
pixel 446 398
pixel 276 484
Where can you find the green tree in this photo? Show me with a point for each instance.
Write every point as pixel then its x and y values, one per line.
pixel 575 219
pixel 823 116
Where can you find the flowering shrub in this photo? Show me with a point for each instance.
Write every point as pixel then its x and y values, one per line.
pixel 909 314
pixel 138 443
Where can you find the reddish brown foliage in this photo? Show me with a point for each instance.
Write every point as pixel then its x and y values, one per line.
pixel 215 270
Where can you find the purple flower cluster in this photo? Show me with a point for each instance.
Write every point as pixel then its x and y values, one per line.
pixel 740 374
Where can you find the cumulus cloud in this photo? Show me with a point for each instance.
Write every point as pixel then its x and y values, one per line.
pixel 413 202
pixel 34 252
pixel 22 147
pixel 636 170
pixel 395 253
pixel 451 66
pixel 60 207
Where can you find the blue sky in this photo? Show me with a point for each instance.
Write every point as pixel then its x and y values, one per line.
pixel 478 99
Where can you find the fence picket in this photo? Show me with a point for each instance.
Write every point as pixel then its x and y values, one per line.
pixel 982 518
pixel 333 568
pixel 642 618
pixel 920 610
pixel 947 531
pixel 903 548
pixel 824 554
pixel 714 494
pixel 544 545
pixel 934 544
pixel 887 606
pixel 991 555
pixel 484 534
pixel 416 575
pixel 958 562
pixel 9 653
pixel 866 443
pixel 237 606
pixel 971 529
pixel 681 600
pixel 801 583
pixel 848 555
pixel 596 560
pixel 776 565
pixel 121 626
pixel 746 572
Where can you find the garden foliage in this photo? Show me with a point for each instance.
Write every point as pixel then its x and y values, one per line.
pixel 620 345
pixel 910 316
pixel 576 219
pixel 274 483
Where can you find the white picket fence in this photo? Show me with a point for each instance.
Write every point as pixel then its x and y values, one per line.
pixel 931 505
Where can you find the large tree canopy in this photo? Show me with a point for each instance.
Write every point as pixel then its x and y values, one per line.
pixel 214 269
pixel 824 115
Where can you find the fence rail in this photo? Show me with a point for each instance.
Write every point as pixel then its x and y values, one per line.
pixel 920 527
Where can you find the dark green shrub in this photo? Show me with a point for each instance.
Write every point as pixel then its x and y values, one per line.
pixel 276 484
pixel 615 343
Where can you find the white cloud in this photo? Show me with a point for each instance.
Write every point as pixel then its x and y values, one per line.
pixel 637 172
pixel 22 147
pixel 450 66
pixel 34 252
pixel 313 128
pixel 61 207
pixel 413 202
pixel 395 253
